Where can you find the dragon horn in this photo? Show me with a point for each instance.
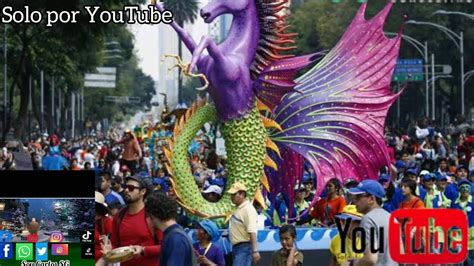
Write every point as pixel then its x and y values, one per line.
pixel 272 146
pixel 259 198
pixel 270 163
pixel 264 182
pixel 263 107
pixel 268 123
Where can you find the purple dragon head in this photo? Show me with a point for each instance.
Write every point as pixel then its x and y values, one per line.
pixel 220 7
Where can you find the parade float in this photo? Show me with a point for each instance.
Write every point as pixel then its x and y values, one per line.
pixel 333 116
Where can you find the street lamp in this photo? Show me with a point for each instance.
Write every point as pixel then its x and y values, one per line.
pixel 423 50
pixel 444 12
pixel 441 76
pixel 468 75
pixel 458 40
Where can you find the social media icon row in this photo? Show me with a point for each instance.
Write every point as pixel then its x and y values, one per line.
pixel 25 251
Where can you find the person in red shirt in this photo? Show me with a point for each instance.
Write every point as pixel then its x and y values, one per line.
pixel 326 208
pixel 133 228
pixel 411 201
pixel 103 224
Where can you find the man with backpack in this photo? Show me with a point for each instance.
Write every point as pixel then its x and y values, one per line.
pixel 132 227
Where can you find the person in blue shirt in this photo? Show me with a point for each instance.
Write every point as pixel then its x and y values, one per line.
pixel 452 189
pixel 54 161
pixel 207 235
pixel 465 203
pixel 389 202
pixel 176 248
pixel 106 189
pixel 420 191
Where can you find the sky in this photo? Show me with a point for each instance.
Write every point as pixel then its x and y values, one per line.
pixel 146 40
pixel 146 43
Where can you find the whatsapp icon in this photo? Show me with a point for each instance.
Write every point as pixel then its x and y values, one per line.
pixel 24 251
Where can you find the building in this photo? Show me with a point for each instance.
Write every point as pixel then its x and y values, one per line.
pixel 168 44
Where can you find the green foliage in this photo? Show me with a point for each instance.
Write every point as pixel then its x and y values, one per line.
pixel 66 52
pixel 184 11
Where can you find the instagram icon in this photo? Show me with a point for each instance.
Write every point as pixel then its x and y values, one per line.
pixel 56 237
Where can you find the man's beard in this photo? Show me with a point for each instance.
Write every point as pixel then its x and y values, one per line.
pixel 129 199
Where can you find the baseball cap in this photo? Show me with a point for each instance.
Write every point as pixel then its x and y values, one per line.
pixel 145 182
pixel 371 187
pixel 400 164
pixel 428 176
pixel 411 171
pixel 384 178
pixel 236 187
pixel 424 172
pixel 350 211
pixel 211 229
pixel 441 177
pixel 463 182
pixel 462 166
pixel 213 189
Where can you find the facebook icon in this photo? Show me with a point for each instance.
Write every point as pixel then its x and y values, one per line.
pixel 6 251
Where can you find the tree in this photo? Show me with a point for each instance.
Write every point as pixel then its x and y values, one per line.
pixel 19 220
pixel 184 11
pixel 65 52
pixel 81 215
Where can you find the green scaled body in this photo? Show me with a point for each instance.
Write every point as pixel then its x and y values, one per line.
pixel 245 147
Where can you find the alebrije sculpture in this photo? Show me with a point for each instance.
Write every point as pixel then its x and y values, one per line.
pixel 333 116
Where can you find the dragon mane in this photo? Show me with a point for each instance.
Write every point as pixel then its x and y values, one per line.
pixel 273 39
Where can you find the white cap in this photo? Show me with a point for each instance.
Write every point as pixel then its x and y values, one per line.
pixel 213 188
pixel 419 156
pixel 424 172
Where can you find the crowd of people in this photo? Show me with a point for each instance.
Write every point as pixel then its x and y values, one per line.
pixel 430 168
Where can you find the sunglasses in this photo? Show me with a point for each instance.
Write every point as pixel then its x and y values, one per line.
pixel 131 187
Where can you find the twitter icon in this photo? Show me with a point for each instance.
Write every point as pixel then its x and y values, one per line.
pixel 41 251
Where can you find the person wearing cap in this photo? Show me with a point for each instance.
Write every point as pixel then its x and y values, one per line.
pixel 452 189
pixel 389 202
pixel 131 150
pixel 433 198
pixel 349 213
pixel 243 227
pixel 212 193
pixel 208 253
pixel 301 205
pixel 103 224
pixel 465 203
pixel 132 227
pixel 412 174
pixel 368 199
pixel 441 184
pixel 177 248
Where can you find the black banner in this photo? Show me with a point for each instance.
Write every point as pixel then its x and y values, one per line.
pixel 47 184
